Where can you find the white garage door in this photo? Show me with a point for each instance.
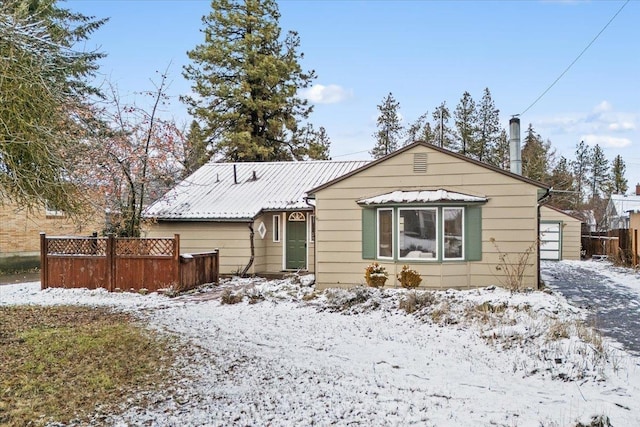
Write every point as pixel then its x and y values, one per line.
pixel 550 240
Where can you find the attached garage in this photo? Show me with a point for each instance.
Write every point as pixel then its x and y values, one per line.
pixel 560 234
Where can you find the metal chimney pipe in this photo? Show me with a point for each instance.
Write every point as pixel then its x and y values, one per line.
pixel 514 146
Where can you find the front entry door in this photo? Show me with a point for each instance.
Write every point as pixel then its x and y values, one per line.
pixel 296 241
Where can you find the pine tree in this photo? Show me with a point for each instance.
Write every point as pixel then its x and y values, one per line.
pixel 466 126
pixel 416 130
pixel 581 165
pixel 44 114
pixel 389 131
pixel 599 173
pixel 246 80
pixel 488 119
pixel 316 143
pixel 442 133
pixel 500 155
pixel 561 180
pixel 619 184
pixel 536 156
pixel 196 153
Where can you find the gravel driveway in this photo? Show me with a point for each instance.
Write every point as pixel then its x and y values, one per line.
pixel 614 308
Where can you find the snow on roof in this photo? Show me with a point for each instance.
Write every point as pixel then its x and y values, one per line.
pixel 623 204
pixel 212 193
pixel 420 196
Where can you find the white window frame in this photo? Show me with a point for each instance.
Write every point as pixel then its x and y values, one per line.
pixel 312 226
pixel 437 245
pixel 444 253
pixel 392 210
pixel 276 228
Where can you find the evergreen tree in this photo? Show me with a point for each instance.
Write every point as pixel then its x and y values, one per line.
pixel 488 119
pixel 442 133
pixel 581 165
pixel 599 173
pixel 500 155
pixel 389 131
pixel 196 153
pixel 316 143
pixel 561 180
pixel 466 126
pixel 417 130
pixel 535 156
pixel 619 184
pixel 246 79
pixel 44 115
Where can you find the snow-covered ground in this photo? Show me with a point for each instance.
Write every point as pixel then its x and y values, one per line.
pixel 287 355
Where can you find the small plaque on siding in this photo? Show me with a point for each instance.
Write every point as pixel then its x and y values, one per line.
pixel 262 230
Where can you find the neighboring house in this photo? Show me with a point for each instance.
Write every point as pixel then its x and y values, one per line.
pixel 255 213
pixel 20 233
pixel 588 218
pixel 450 217
pixel 560 234
pixel 617 212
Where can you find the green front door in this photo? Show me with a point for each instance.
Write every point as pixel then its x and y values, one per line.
pixel 296 241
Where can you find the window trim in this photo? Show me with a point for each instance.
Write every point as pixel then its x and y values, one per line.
pixel 276 228
pixel 462 249
pixel 437 245
pixel 312 228
pixel 393 229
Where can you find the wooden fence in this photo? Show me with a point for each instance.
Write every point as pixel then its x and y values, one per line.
pixel 620 244
pixel 125 264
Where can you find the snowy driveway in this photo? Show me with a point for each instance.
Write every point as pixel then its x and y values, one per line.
pixel 612 296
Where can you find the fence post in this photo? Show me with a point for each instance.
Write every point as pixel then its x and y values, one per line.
pixel 217 266
pixel 635 247
pixel 44 280
pixel 176 260
pixel 111 262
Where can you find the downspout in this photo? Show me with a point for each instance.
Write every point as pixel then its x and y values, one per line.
pixel 315 246
pixel 253 251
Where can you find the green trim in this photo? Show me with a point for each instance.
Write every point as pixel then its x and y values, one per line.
pixel 473 233
pixel 369 232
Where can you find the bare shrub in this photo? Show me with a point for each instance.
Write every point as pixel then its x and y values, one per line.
pixel 414 301
pixel 558 330
pixel 229 297
pixel 345 300
pixel 513 269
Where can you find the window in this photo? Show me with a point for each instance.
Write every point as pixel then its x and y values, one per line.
pixel 426 234
pixel 312 228
pixel 453 241
pixel 418 233
pixel 276 228
pixel 385 233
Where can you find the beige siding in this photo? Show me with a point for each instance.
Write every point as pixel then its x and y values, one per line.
pixel 570 231
pixel 509 218
pixel 232 239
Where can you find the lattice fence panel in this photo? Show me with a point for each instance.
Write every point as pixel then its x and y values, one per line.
pixel 86 246
pixel 144 247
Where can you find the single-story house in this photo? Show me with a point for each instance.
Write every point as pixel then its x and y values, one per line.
pixel 451 218
pixel 617 211
pixel 560 234
pixel 20 230
pixel 256 213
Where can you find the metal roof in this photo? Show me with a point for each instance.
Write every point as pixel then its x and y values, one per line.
pixel 216 192
pixel 623 204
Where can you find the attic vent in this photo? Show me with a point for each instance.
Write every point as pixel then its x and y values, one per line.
pixel 420 163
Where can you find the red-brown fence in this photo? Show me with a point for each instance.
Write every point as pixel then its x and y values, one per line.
pixel 123 264
pixel 619 244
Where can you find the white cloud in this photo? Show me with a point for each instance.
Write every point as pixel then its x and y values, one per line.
pixel 603 107
pixel 330 94
pixel 622 126
pixel 606 141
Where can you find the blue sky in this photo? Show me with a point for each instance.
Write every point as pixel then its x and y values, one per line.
pixel 424 52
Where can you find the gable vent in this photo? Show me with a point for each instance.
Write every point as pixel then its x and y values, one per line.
pixel 420 163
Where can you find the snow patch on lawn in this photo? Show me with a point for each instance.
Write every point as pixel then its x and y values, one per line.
pixel 287 354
